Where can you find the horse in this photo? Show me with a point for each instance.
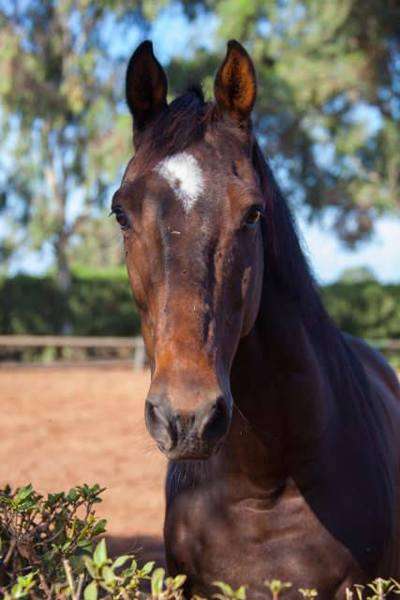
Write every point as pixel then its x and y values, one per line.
pixel 281 431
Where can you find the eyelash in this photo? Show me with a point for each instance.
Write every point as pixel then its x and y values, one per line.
pixel 256 211
pixel 121 217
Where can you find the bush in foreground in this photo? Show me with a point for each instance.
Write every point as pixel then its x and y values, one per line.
pixel 49 550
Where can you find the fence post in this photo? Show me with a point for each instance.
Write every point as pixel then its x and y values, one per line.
pixel 139 357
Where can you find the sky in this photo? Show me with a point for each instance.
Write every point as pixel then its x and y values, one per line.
pixel 329 257
pixel 172 36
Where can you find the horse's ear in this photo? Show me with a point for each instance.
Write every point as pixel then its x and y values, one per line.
pixel 146 85
pixel 235 85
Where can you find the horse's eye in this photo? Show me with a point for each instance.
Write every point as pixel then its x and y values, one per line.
pixel 253 215
pixel 121 217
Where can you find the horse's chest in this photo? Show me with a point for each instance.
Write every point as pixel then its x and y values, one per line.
pixel 250 540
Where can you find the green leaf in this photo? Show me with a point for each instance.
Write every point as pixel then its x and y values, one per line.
pixel 100 554
pixel 147 568
pixel 23 493
pixel 99 527
pixel 133 567
pixel 73 495
pixel 54 498
pixel 225 588
pixel 157 581
pixel 240 593
pixel 108 575
pixel 120 561
pixel 85 545
pixel 66 545
pixel 91 591
pixel 179 580
pixel 90 567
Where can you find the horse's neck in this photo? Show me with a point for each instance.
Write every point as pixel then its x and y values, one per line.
pixel 280 386
pixel 307 400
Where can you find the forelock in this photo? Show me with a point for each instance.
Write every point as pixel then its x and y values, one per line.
pixel 182 124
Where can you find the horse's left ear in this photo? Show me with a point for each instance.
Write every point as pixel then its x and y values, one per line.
pixel 146 86
pixel 235 85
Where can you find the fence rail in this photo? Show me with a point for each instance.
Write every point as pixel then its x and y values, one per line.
pixel 134 344
pixel 68 341
pixel 26 342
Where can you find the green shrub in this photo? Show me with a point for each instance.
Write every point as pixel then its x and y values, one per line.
pixel 99 303
pixel 30 305
pixel 102 304
pixel 366 309
pixel 49 551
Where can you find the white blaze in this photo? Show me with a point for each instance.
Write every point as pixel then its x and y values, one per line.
pixel 184 175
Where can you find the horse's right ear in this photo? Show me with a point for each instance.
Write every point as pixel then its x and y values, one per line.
pixel 235 85
pixel 146 86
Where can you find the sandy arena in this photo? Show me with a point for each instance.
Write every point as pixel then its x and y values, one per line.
pixel 64 426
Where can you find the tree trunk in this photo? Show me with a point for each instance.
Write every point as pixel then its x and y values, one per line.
pixel 63 280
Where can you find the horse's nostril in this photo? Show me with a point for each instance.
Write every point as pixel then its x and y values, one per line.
pixel 160 424
pixel 159 414
pixel 150 413
pixel 215 423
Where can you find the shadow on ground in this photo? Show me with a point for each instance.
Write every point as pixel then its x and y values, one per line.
pixel 144 548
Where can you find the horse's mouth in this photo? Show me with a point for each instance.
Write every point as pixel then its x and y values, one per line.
pixel 178 454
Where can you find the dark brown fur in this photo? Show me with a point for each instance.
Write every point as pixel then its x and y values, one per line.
pixel 300 472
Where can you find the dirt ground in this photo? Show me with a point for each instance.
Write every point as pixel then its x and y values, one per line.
pixel 62 427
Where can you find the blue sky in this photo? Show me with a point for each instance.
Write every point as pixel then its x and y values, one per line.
pixel 172 35
pixel 329 257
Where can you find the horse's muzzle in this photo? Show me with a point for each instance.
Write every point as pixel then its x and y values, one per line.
pixel 187 435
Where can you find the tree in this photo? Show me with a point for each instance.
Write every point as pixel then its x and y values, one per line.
pixel 356 275
pixel 63 126
pixel 328 110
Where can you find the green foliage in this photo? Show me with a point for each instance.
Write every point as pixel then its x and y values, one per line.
pixel 356 275
pixel 308 593
pixel 277 587
pixel 166 588
pixel 117 578
pixel 99 303
pixel 30 304
pixel 48 550
pixel 226 592
pixel 366 309
pixel 38 534
pixel 379 589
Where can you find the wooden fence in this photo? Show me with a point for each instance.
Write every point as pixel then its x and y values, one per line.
pixel 134 346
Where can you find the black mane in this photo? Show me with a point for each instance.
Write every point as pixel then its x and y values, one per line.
pixel 180 125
